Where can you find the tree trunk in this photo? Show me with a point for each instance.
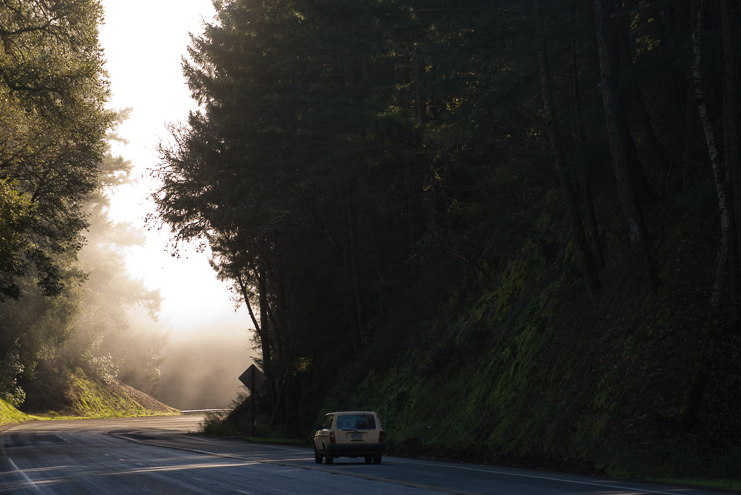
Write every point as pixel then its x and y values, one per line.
pixel 621 55
pixel 419 69
pixel 726 140
pixel 278 334
pixel 421 109
pixel 688 414
pixel 635 166
pixel 593 226
pixel 355 303
pixel 733 274
pixel 636 97
pixel 586 261
pixel 283 326
pixel 732 137
pixel 637 232
pixel 586 176
pixel 689 124
pixel 589 10
pixel 372 236
pixel 259 328
pixel 645 119
pixel 409 210
pixel 264 323
pixel 689 140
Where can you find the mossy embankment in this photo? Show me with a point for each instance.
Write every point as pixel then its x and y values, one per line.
pixel 71 392
pixel 9 414
pixel 529 370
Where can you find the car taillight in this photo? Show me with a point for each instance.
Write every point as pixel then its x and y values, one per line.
pixel 381 436
pixel 331 437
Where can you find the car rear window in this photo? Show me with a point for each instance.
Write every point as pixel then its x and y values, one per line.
pixel 356 422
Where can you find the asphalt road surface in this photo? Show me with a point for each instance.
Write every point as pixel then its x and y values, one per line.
pixel 159 456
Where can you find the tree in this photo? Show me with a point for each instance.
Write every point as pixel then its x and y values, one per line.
pixel 52 90
pixel 688 414
pixel 586 261
pixel 635 224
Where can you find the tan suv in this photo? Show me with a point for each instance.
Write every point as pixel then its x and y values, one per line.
pixel 350 434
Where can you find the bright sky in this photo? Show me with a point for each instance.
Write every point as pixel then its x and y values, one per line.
pixel 144 41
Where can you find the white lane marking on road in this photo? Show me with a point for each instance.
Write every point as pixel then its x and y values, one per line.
pixel 245 493
pixel 187 467
pixel 25 476
pixel 590 483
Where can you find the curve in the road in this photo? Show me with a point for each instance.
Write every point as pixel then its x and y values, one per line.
pixel 91 456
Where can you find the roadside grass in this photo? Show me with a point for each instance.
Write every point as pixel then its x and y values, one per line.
pixel 59 416
pixel 734 485
pixel 9 414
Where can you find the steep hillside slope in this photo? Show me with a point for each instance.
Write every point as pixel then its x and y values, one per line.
pixel 73 392
pixel 527 369
pixel 530 370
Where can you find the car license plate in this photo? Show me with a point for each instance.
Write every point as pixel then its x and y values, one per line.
pixel 356 437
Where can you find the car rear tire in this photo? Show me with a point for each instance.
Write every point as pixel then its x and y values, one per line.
pixel 377 459
pixel 368 459
pixel 327 456
pixel 317 456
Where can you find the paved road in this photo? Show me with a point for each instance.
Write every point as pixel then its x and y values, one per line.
pixel 158 456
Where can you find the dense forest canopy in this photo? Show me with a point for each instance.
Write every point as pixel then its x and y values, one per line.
pixel 64 291
pixel 367 172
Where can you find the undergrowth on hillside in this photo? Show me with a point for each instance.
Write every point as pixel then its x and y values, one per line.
pixel 534 372
pixel 236 423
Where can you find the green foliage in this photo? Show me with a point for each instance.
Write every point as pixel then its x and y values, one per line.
pixel 10 368
pixel 53 122
pixel 16 217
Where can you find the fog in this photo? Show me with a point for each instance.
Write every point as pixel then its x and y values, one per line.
pixel 202 368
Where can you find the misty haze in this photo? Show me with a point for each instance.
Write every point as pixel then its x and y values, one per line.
pixel 201 369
